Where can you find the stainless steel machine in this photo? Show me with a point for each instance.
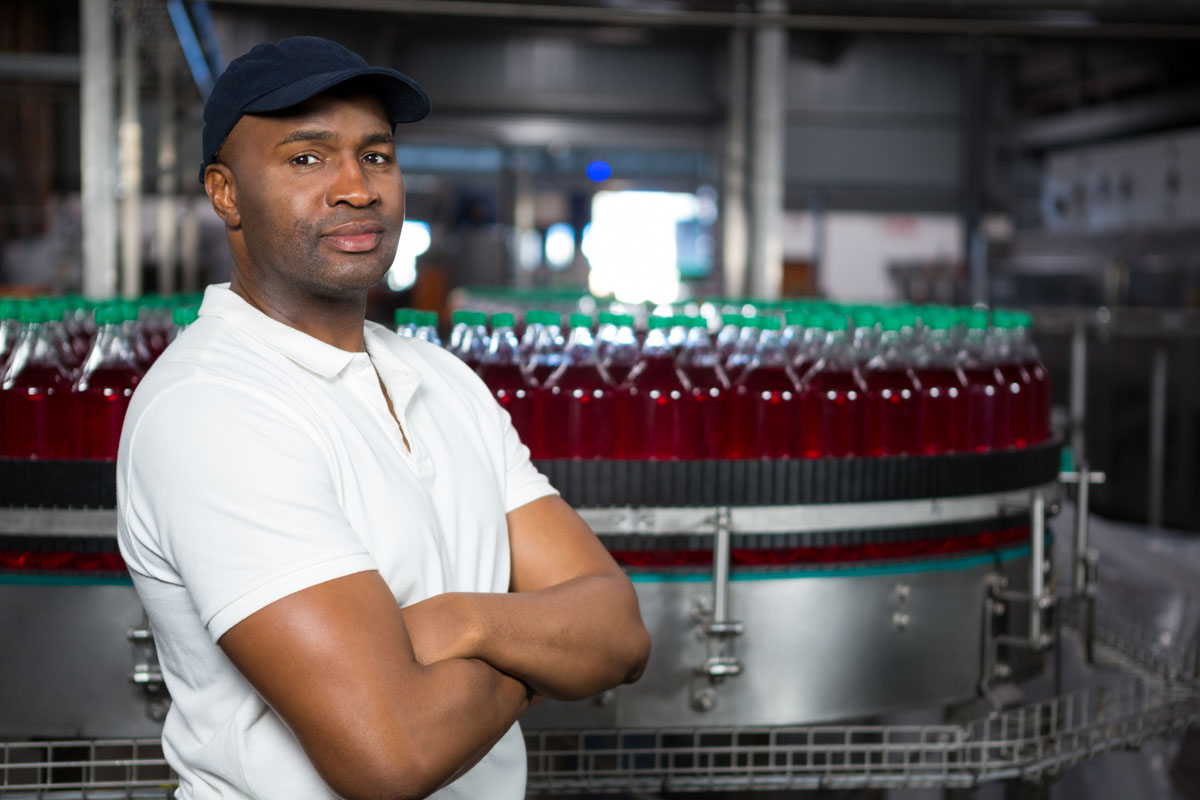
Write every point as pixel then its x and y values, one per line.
pixel 793 606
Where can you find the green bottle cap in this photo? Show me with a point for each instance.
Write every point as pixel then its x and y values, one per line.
pixel 503 321
pixel 404 316
pixel 770 324
pixel 659 323
pixel 796 317
pixel 977 321
pixel 580 321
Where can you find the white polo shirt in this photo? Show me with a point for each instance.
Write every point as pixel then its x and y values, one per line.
pixel 257 461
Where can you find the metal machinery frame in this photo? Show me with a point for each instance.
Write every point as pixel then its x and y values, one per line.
pixel 1152 693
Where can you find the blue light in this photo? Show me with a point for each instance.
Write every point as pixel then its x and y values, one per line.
pixel 599 171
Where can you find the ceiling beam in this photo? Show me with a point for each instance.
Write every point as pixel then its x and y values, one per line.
pixel 1073 27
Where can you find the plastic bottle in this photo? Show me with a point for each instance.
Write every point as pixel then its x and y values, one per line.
pixel 657 412
pixel 606 332
pixel 833 400
pixel 10 330
pixel 727 336
pixel 405 322
pixel 181 317
pixel 1042 397
pixel 101 393
pixel 133 332
pixel 472 337
pixel 624 352
pixel 893 424
pixel 426 327
pixel 501 370
pixel 36 410
pixel 943 387
pixel 458 327
pixel 580 416
pixel 677 334
pixel 988 401
pixel 79 325
pixel 701 363
pixel 766 401
pixel 744 349
pixel 547 351
pixel 1017 381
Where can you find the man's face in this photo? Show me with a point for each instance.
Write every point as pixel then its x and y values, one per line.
pixel 319 200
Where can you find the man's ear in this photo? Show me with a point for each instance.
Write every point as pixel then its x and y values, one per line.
pixel 218 183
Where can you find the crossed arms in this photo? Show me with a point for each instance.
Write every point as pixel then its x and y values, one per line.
pixel 395 703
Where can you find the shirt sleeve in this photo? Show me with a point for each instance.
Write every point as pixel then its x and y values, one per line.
pixel 233 496
pixel 523 483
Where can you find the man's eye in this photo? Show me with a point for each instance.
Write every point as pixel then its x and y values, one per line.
pixel 304 160
pixel 375 158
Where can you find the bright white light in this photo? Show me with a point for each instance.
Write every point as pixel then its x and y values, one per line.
pixel 414 241
pixel 529 250
pixel 560 245
pixel 630 244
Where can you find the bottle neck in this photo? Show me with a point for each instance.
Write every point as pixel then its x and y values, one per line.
pixel 503 348
pixel 657 344
pixel 111 349
pixel 769 352
pixel 581 346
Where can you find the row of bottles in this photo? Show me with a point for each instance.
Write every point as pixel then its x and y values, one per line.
pixel 68 370
pixel 808 384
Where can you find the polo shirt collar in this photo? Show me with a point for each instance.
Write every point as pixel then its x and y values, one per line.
pixel 311 353
pixel 400 378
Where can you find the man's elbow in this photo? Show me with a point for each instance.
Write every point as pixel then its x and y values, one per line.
pixel 398 773
pixel 637 651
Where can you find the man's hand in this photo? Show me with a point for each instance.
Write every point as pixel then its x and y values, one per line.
pixel 570 628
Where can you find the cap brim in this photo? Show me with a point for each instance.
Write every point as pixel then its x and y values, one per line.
pixel 404 99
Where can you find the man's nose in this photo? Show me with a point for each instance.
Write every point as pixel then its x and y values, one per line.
pixel 351 185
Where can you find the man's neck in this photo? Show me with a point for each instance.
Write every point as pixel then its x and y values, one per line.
pixel 336 322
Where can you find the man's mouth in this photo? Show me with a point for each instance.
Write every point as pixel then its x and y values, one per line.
pixel 354 237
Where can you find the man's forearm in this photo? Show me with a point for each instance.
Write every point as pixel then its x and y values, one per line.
pixel 567 641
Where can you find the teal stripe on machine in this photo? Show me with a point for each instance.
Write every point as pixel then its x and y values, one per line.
pixel 940 565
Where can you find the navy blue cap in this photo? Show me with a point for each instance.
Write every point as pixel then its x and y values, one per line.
pixel 272 77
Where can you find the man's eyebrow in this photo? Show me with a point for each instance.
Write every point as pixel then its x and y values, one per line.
pixel 306 135
pixel 379 138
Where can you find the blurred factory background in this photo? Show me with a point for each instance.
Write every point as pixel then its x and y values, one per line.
pixel 1000 152
pixel 988 151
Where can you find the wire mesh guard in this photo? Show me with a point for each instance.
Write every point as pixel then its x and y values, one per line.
pixel 1153 697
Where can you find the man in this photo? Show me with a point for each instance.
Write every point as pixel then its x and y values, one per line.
pixel 356 579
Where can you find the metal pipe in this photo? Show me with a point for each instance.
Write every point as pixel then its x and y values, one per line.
pixel 658 17
pixel 1037 566
pixel 1078 392
pixel 721 547
pixel 733 225
pixel 130 155
pixel 1081 529
pixel 96 120
pixel 167 229
pixel 1158 436
pixel 766 158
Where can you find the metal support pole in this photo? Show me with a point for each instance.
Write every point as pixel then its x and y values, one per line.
pixel 1081 529
pixel 733 224
pixel 1079 392
pixel 974 165
pixel 721 568
pixel 1158 436
pixel 98 181
pixel 167 229
pixel 1037 566
pixel 766 158
pixel 130 137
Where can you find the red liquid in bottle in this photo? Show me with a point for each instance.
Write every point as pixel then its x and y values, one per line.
pixel 943 410
pixel 540 373
pixel 1040 400
pixel 833 405
pixel 100 400
pixel 712 394
pixel 38 414
pixel 1020 399
pixel 766 413
pixel 515 395
pixel 579 419
pixel 618 373
pixel 893 413
pixel 658 412
pixel 988 413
